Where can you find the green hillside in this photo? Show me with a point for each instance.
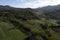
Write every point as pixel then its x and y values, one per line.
pixel 6 34
pixel 28 24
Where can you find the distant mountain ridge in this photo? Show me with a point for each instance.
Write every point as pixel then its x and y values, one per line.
pixel 46 8
pixel 6 7
pixel 56 7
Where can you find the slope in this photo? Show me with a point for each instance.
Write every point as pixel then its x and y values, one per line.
pixel 6 34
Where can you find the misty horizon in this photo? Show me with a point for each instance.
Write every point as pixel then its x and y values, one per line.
pixel 30 7
pixel 30 3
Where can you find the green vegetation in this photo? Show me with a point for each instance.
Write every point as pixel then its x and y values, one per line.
pixel 6 34
pixel 28 24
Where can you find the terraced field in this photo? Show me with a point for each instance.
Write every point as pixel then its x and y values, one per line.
pixel 7 34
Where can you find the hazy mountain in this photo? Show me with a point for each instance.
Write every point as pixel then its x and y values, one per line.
pixel 48 8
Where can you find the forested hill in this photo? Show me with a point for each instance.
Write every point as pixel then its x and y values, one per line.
pixel 29 24
pixel 52 12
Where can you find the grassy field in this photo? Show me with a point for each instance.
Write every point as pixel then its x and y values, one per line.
pixel 13 34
